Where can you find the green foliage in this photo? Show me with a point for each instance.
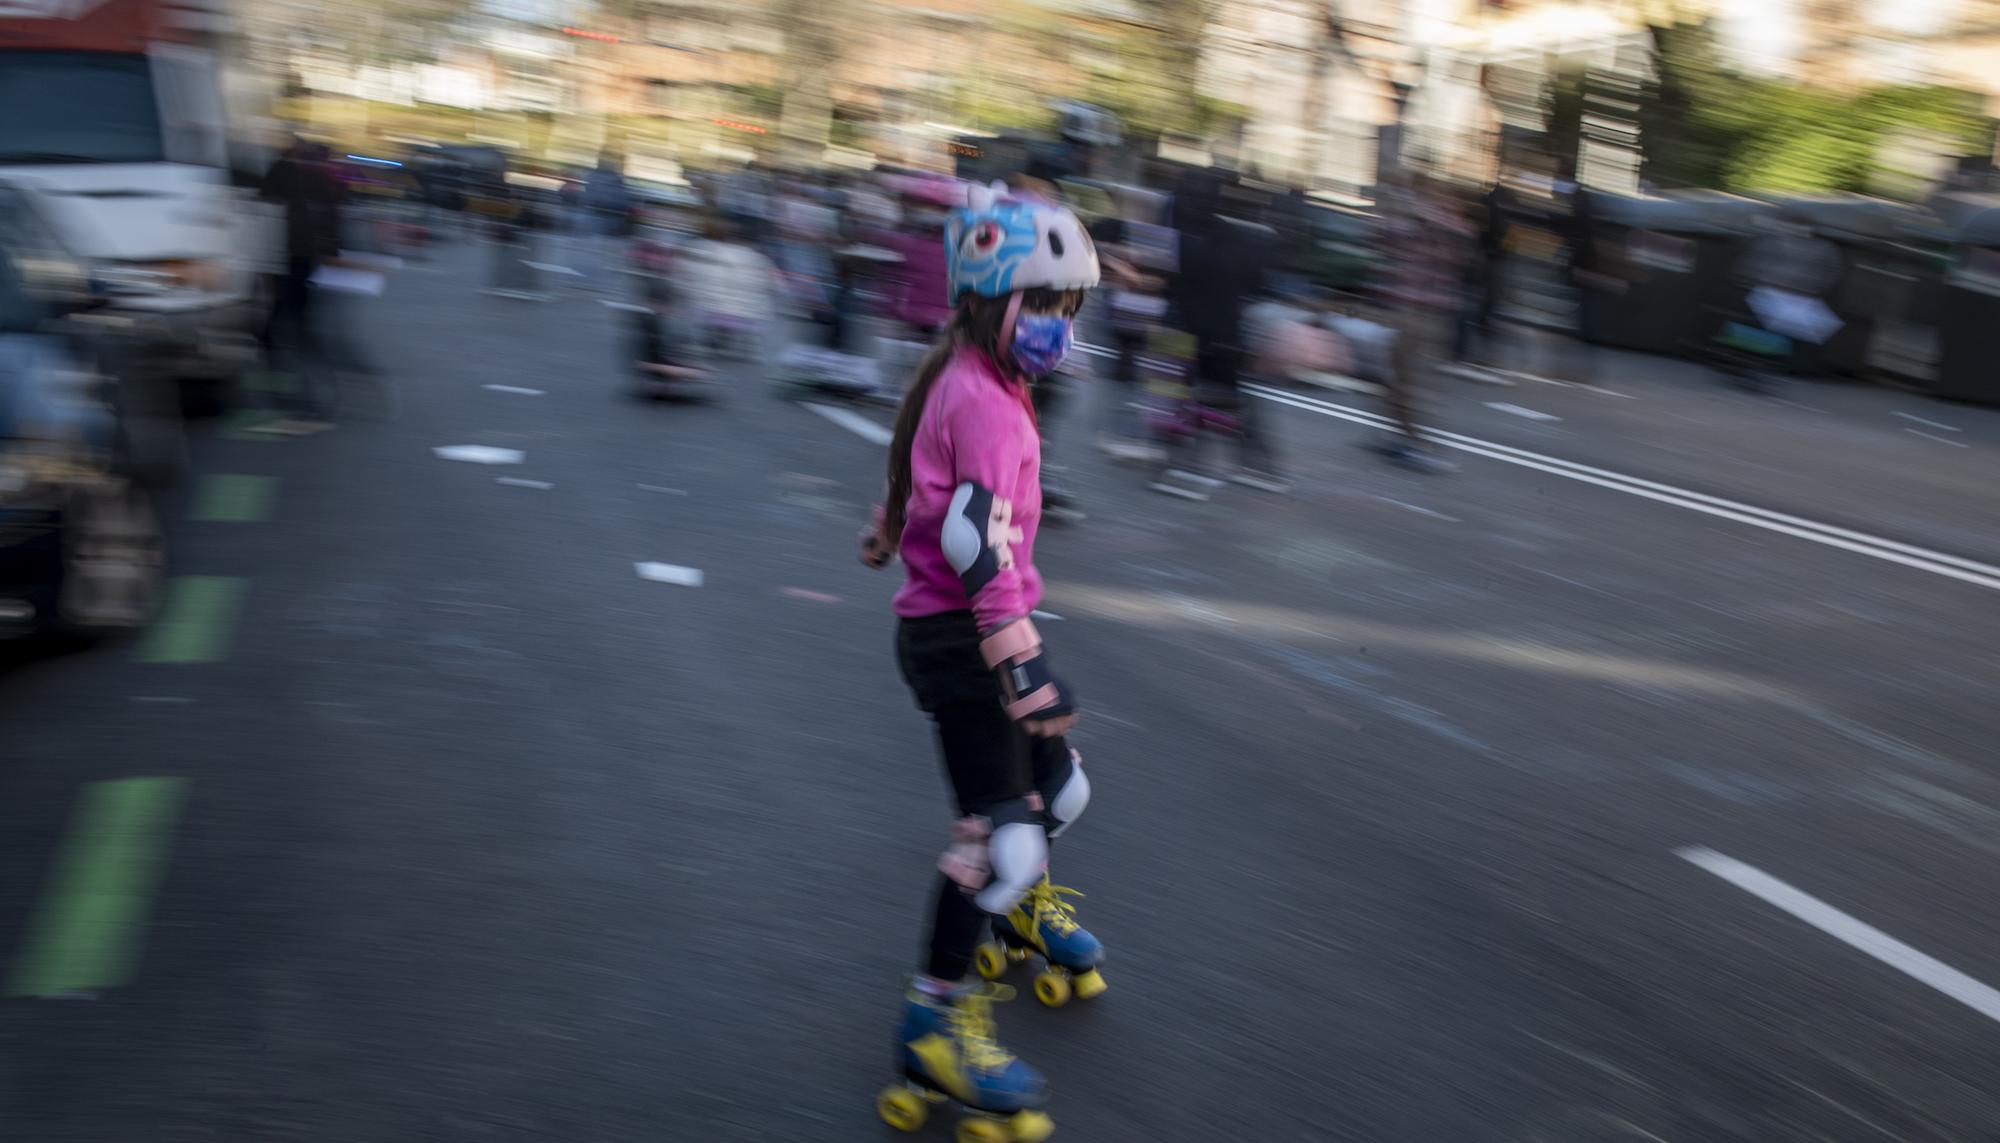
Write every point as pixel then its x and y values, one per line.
pixel 1707 126
pixel 757 101
pixel 998 109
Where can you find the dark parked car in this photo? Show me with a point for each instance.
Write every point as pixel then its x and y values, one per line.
pixel 80 545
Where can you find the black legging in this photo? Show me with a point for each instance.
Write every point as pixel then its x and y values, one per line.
pixel 987 756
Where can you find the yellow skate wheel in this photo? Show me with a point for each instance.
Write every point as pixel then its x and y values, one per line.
pixel 990 960
pixel 902 1109
pixel 980 1129
pixel 1016 956
pixel 1031 1126
pixel 1088 984
pixel 1052 989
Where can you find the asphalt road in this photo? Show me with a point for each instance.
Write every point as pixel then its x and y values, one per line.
pixel 1427 807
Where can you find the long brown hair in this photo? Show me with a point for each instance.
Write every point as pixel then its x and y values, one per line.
pixel 975 324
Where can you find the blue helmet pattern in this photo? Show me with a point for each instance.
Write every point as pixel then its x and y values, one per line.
pixel 984 247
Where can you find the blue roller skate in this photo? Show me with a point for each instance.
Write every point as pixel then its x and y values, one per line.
pixel 948 1052
pixel 1045 924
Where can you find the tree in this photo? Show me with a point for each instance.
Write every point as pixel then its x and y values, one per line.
pixel 1704 125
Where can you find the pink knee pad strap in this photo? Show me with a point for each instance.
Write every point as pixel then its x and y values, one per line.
pixel 965 860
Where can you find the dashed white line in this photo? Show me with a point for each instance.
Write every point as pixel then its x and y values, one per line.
pixel 517 482
pixel 854 423
pixel 1937 438
pixel 551 268
pixel 480 454
pixel 516 389
pixel 1521 411
pixel 1893 551
pixel 1931 423
pixel 663 488
pixel 628 307
pixel 1045 616
pixel 1849 930
pixel 669 573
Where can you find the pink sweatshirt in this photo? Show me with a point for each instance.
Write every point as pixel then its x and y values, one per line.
pixel 977 425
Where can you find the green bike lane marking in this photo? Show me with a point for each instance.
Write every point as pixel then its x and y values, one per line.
pixel 227 498
pixel 196 622
pixel 87 929
pixel 237 426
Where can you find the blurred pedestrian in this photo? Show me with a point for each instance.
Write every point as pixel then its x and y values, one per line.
pixel 659 357
pixel 1598 271
pixel 1225 257
pixel 1428 244
pixel 732 287
pixel 606 200
pixel 301 182
pixel 1490 216
pixel 1138 258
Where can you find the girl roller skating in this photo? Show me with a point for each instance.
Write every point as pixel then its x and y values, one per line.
pixel 964 503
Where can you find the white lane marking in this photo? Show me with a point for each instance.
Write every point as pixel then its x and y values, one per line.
pixel 1521 411
pixel 516 389
pixel 669 573
pixel 1095 350
pixel 1421 511
pixel 1931 423
pixel 480 454
pixel 517 482
pixel 1339 381
pixel 1838 925
pixel 1908 555
pixel 551 268
pixel 1099 712
pixel 663 488
pixel 854 423
pixel 1937 438
pixel 628 307
pixel 1047 616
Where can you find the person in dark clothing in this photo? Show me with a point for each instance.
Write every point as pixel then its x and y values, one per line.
pixel 302 182
pixel 1490 218
pixel 1595 270
pixel 1224 263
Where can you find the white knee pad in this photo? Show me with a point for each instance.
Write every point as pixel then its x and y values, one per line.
pixel 1066 802
pixel 1019 854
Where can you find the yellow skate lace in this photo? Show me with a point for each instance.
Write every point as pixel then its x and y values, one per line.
pixel 971 1018
pixel 1052 910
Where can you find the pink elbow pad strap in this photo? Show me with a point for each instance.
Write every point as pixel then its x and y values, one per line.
pixel 1028 689
pixel 1009 641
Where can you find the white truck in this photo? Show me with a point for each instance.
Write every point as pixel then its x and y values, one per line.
pixel 114 121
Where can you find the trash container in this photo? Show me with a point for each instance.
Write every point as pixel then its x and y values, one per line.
pixel 1662 265
pixel 1969 326
pixel 1891 258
